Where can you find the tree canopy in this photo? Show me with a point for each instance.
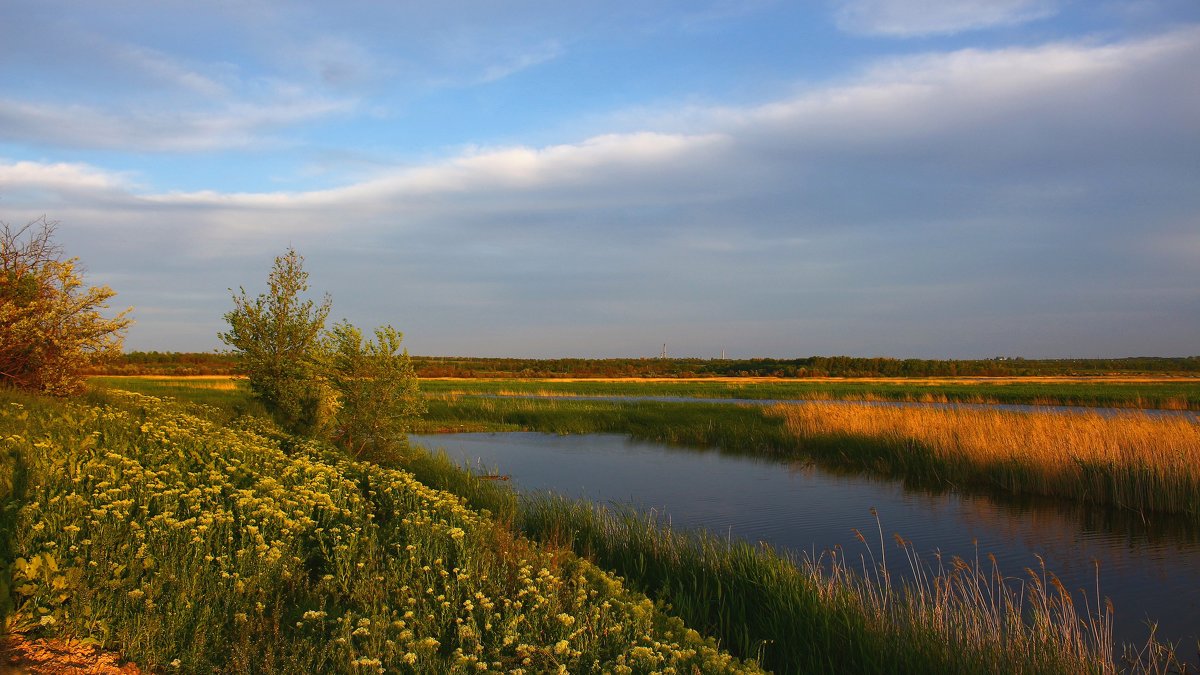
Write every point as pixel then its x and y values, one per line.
pixel 378 398
pixel 277 336
pixel 362 395
pixel 51 323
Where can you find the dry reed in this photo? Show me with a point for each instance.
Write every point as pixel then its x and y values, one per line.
pixel 1129 460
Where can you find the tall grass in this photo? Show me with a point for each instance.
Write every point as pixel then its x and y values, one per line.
pixel 1129 460
pixel 846 615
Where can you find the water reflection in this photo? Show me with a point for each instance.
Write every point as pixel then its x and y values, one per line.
pixel 1149 567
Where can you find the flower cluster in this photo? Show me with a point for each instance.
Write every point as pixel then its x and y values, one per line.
pixel 191 545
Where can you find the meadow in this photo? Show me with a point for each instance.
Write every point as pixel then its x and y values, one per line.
pixel 791 615
pixel 194 545
pixel 1179 393
pixel 1116 392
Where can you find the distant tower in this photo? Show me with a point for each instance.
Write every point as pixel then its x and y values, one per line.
pixel 664 352
pixel 722 353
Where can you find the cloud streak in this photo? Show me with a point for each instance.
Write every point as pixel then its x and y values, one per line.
pixel 919 18
pixel 235 125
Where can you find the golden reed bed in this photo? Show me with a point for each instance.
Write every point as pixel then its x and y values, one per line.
pixel 1130 459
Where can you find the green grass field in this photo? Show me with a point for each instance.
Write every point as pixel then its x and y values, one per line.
pixel 1177 394
pixel 1161 394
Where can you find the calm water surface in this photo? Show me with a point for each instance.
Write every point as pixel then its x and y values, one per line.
pixel 1150 570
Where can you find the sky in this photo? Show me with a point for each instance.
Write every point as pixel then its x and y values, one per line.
pixel 904 178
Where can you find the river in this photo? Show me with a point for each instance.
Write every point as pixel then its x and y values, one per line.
pixel 1149 568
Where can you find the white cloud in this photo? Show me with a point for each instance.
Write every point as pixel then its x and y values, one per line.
pixel 902 102
pixel 967 105
pixel 913 18
pixel 62 176
pixel 230 125
pixel 998 174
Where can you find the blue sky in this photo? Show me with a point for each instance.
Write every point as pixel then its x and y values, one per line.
pixel 909 178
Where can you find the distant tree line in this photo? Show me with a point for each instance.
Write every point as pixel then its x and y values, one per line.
pixel 185 363
pixel 168 363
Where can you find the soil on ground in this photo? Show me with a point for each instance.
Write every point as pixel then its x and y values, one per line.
pixel 19 656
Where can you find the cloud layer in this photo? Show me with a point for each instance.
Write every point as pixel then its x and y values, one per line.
pixel 1035 200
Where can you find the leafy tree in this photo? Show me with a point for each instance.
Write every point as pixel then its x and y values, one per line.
pixel 363 394
pixel 51 325
pixel 376 387
pixel 277 337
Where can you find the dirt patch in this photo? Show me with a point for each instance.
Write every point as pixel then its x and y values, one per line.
pixel 43 657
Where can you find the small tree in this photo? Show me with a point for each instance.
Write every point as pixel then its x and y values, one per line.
pixel 51 326
pixel 277 337
pixel 377 390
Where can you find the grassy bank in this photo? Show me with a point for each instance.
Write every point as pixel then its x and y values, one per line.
pixel 1183 394
pixel 186 544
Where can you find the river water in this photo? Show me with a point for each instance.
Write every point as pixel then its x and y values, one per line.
pixel 1149 568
